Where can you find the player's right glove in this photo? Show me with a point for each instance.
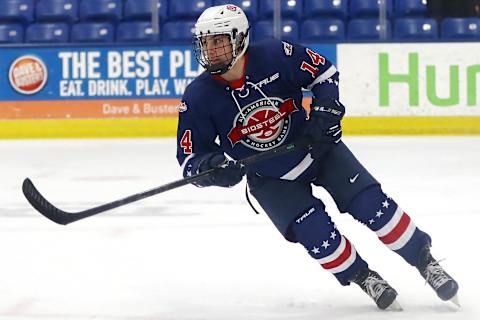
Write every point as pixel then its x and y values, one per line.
pixel 323 128
pixel 227 174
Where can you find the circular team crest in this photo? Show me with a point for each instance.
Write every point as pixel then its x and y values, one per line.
pixel 28 74
pixel 262 126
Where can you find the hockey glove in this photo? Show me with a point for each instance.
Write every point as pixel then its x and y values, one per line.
pixel 227 174
pixel 323 127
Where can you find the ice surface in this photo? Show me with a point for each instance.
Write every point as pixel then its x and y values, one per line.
pixel 196 253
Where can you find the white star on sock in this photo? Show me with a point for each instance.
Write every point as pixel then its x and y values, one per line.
pixel 325 244
pixel 333 235
pixel 315 250
pixel 385 204
pixel 379 214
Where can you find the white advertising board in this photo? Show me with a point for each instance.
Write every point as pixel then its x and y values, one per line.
pixel 402 79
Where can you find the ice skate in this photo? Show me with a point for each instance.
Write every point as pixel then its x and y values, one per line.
pixel 440 281
pixel 378 289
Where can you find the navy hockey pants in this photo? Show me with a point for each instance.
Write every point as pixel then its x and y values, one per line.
pixel 301 217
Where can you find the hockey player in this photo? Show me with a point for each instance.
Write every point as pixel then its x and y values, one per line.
pixel 250 100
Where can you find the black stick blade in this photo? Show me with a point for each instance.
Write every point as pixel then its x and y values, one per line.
pixel 42 205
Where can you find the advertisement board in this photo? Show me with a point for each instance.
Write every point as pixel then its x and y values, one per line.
pixel 410 79
pixel 108 82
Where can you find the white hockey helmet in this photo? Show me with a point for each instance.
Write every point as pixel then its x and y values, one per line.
pixel 228 20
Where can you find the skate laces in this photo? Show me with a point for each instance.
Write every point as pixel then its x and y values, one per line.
pixel 435 275
pixel 374 286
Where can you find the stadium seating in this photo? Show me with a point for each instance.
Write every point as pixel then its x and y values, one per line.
pixel 100 10
pixel 187 9
pixel 368 8
pixel 264 30
pixel 178 31
pixel 322 30
pixel 11 33
pixel 16 10
pixel 101 21
pixel 136 31
pixel 325 8
pixel 142 10
pixel 98 32
pixel 248 6
pixel 460 29
pixel 365 29
pixel 54 32
pixel 405 8
pixel 289 9
pixel 415 29
pixel 56 10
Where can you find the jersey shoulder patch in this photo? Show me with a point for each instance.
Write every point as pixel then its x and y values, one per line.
pixel 287 48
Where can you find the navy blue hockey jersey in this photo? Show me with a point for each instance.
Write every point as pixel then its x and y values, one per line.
pixel 258 112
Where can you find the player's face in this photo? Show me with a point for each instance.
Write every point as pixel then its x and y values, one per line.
pixel 217 49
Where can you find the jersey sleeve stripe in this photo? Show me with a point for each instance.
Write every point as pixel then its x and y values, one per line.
pixel 184 163
pixel 298 169
pixel 323 77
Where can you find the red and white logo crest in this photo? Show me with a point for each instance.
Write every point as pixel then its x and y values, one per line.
pixel 28 74
pixel 231 7
pixel 262 126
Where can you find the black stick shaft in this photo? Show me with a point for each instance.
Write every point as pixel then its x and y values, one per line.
pixel 62 217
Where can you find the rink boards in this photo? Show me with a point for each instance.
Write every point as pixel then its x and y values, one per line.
pixel 134 91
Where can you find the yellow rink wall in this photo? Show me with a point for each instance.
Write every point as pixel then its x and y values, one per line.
pixel 166 127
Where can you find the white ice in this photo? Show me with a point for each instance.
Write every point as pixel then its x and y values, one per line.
pixel 195 253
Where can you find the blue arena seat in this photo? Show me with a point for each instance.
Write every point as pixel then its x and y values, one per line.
pixel 56 10
pixel 47 32
pixel 16 10
pixel 250 7
pixel 289 8
pixel 11 33
pixel 325 29
pixel 103 32
pixel 415 29
pixel 368 8
pixel 178 31
pixel 264 30
pixel 100 10
pixel 460 28
pixel 136 31
pixel 404 8
pixel 367 29
pixel 142 9
pixel 325 8
pixel 187 9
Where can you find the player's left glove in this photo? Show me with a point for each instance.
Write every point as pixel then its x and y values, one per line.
pixel 324 127
pixel 227 174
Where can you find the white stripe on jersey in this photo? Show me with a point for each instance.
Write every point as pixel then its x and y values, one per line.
pixel 323 77
pixel 298 169
pixel 184 163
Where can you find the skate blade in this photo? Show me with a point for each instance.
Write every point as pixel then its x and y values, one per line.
pixel 395 306
pixel 455 301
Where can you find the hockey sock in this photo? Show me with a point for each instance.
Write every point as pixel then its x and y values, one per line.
pixel 393 226
pixel 317 233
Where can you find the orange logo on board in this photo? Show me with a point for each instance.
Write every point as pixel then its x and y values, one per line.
pixel 28 74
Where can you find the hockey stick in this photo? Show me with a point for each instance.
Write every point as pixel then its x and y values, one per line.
pixel 62 217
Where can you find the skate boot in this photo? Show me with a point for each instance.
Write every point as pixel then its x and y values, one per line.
pixel 377 288
pixel 440 281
